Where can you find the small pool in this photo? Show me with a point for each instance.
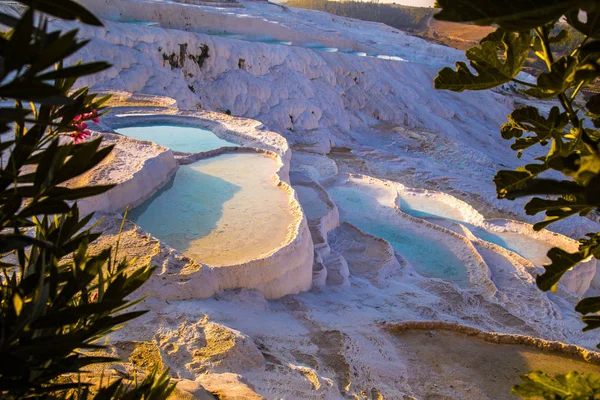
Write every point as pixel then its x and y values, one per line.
pixel 418 246
pixel 527 247
pixel 142 23
pixel 268 40
pixel 428 207
pixel 391 58
pixel 229 35
pixel 310 201
pixel 321 48
pixel 180 138
pixel 220 211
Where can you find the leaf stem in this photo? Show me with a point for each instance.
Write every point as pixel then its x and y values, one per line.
pixel 576 92
pixel 520 82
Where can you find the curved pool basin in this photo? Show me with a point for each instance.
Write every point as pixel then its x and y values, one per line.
pixel 532 249
pixel 420 247
pixel 220 211
pixel 179 138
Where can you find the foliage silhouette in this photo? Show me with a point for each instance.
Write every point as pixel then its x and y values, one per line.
pixel 573 147
pixel 57 299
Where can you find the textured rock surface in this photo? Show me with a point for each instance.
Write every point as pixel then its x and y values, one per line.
pixel 138 169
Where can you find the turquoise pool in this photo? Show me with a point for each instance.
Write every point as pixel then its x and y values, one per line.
pixel 222 210
pixel 529 248
pixel 180 138
pixel 425 253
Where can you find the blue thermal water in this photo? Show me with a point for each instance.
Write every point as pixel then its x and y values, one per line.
pixel 268 40
pixel 427 255
pixel 221 210
pixel 321 48
pixel 527 247
pixel 426 207
pixel 177 138
pixel 141 23
pixel 186 209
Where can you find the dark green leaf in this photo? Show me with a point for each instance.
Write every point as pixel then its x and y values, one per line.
pixel 511 181
pixel 589 28
pixel 75 71
pixel 64 9
pixel 492 70
pixel 35 91
pixel 558 80
pixel 508 14
pixel 570 386
pixel 592 322
pixel 562 262
pixel 15 242
pixel 588 305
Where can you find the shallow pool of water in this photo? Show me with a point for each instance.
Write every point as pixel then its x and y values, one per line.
pixel 222 210
pixel 310 201
pixel 185 139
pixel 142 23
pixel 321 48
pixel 268 40
pixel 420 248
pixel 527 247
pixel 427 207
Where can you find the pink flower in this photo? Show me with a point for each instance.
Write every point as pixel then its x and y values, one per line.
pixel 95 117
pixel 81 126
pixel 80 136
pixel 77 118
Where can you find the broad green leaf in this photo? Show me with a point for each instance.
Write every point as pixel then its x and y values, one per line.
pixel 570 386
pixel 593 108
pixel 528 119
pixel 588 69
pixel 558 209
pixel 588 305
pixel 592 322
pixel 562 261
pixel 558 80
pixel 508 14
pixel 511 181
pixel 589 28
pixel 492 69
